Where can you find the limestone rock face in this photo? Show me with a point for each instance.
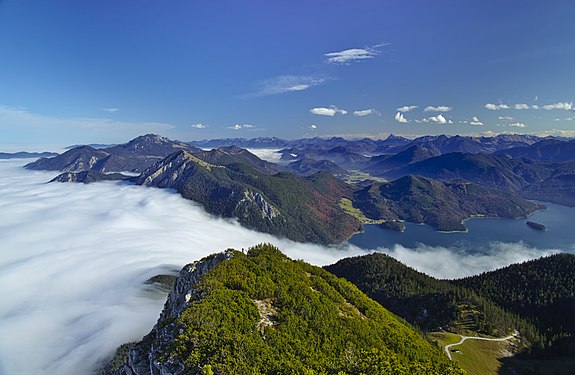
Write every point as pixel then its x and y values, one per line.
pixel 145 357
pixel 88 177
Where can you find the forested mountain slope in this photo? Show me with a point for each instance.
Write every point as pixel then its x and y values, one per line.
pixel 302 209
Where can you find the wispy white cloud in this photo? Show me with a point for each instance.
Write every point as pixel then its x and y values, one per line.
pixel 21 125
pixel 518 125
pixel 331 111
pixel 567 106
pixel 312 127
pixel 365 112
pixel 505 118
pixel 496 107
pixel 288 83
pixel 399 117
pixel 475 121
pixel 407 108
pixel 241 126
pixel 348 56
pixel 111 110
pixel 199 126
pixel 441 108
pixel 561 105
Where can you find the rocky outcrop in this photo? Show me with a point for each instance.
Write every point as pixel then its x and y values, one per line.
pixel 172 171
pixel 268 211
pixel 146 357
pixel 89 176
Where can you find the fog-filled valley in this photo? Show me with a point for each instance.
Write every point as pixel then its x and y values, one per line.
pixel 74 259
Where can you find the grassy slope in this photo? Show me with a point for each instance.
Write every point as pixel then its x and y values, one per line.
pixel 318 324
pixel 474 356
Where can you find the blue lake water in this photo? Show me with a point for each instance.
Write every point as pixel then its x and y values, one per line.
pixel 482 232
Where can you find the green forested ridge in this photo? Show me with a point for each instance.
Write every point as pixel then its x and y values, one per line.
pixel 263 313
pixel 427 302
pixel 541 290
pixel 443 205
pixel 537 298
pixel 303 209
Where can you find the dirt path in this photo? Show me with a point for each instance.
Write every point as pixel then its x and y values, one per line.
pixel 463 338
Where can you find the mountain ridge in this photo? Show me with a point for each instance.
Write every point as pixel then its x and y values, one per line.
pixel 263 313
pixel 283 204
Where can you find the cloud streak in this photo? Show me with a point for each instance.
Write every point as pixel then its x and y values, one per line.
pixel 441 108
pixel 407 108
pixel 365 112
pixel 348 56
pixel 111 110
pixel 331 111
pixel 496 107
pixel 565 106
pixel 288 83
pixel 561 105
pixel 241 126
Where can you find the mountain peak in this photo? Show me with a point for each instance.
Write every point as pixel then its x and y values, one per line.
pixel 150 139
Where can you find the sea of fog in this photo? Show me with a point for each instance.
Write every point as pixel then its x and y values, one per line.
pixel 74 259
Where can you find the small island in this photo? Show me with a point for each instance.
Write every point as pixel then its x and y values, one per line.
pixel 536 226
pixel 394 225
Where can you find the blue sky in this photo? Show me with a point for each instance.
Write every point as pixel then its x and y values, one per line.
pixel 74 71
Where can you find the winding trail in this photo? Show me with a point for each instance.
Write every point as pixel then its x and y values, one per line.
pixel 463 338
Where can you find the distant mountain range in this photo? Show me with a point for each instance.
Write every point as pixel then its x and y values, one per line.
pixel 551 150
pixel 232 182
pixel 439 189
pixel 392 144
pixel 26 155
pixel 134 156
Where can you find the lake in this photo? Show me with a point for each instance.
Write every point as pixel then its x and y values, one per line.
pixel 481 234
